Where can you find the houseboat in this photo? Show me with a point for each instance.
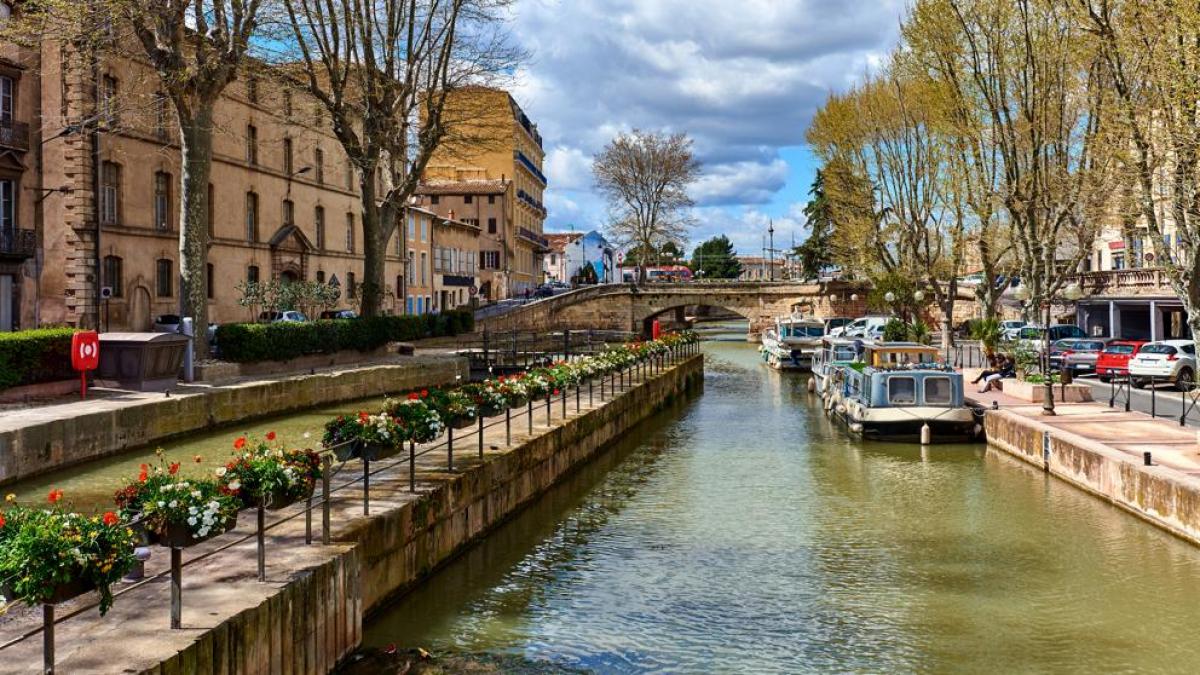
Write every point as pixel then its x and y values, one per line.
pixel 791 343
pixel 832 352
pixel 900 392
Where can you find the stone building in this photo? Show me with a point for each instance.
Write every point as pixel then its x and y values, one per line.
pixel 492 169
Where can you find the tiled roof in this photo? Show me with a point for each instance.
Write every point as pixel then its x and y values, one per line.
pixel 465 187
pixel 559 240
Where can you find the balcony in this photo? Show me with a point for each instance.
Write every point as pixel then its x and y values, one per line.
pixel 530 201
pixel 534 237
pixel 14 135
pixel 459 280
pixel 1127 282
pixel 18 244
pixel 528 164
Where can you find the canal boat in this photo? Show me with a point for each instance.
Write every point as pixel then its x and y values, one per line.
pixel 791 342
pixel 833 352
pixel 900 391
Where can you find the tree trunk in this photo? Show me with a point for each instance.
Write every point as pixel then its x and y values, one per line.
pixel 196 150
pixel 377 223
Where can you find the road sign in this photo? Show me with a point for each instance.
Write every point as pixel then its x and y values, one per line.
pixel 473 290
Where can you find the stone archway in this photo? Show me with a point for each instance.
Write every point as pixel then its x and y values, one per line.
pixel 139 309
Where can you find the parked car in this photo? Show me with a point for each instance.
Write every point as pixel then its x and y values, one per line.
pixel 1058 352
pixel 1009 330
pixel 1165 361
pixel 339 314
pixel 285 316
pixel 835 323
pixel 1081 358
pixel 870 327
pixel 1114 360
pixel 1034 337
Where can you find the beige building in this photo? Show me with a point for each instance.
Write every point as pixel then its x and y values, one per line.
pixel 499 159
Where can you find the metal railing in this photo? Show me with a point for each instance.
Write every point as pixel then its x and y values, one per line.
pixel 605 387
pixel 511 351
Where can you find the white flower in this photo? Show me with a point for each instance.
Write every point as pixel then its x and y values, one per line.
pixel 161 505
pixel 235 485
pixel 173 504
pixel 192 521
pixel 221 472
pixel 306 435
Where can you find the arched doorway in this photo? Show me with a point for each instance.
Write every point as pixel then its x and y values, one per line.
pixel 139 309
pixel 289 276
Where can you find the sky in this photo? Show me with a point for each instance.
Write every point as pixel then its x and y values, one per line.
pixel 741 78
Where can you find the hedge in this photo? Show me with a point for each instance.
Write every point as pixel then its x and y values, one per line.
pixel 248 342
pixel 32 356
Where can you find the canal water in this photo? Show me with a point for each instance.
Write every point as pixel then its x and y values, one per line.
pixel 741 531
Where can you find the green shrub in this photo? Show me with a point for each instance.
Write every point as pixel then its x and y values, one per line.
pixel 895 330
pixel 32 356
pixel 248 342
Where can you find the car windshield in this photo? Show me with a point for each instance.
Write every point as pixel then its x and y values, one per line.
pixel 1158 349
pixel 1028 333
pixel 1118 349
pixel 1089 346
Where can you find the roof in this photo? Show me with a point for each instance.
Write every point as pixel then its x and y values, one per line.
pixel 463 187
pixel 559 240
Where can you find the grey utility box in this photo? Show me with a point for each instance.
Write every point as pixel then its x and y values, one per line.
pixel 141 361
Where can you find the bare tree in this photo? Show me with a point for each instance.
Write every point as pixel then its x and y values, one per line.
pixel 645 177
pixel 387 72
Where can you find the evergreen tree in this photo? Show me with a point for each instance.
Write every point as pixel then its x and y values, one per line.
pixel 815 253
pixel 716 259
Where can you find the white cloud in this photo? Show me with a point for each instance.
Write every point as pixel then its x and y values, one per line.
pixel 568 168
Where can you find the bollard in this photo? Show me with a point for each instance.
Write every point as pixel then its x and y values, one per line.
pixel 326 464
pixel 481 437
pixel 564 402
pixel 366 486
pixel 1146 459
pixel 1182 407
pixel 412 465
pixel 576 399
pixel 1112 391
pixel 590 400
pixel 926 434
pixel 450 448
pixel 262 541
pixel 1128 391
pixel 1153 397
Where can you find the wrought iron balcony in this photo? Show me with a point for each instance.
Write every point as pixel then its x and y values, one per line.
pixel 18 243
pixel 528 164
pixel 534 237
pixel 14 135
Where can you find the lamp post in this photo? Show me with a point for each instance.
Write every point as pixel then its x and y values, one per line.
pixel 771 248
pixel 1071 293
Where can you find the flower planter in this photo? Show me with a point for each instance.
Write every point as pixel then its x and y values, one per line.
pixel 461 421
pixel 518 402
pixel 61 593
pixel 278 499
pixel 180 535
pixel 374 452
pixel 488 411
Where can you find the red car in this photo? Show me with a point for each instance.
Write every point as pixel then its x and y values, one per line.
pixel 1114 360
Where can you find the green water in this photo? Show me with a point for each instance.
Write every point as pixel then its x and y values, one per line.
pixel 742 532
pixel 90 487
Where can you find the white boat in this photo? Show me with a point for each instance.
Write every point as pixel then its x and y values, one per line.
pixel 792 342
pixel 834 351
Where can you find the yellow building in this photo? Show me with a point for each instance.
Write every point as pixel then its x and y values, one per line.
pixel 494 147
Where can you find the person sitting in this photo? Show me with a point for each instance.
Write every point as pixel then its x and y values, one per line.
pixel 1007 368
pixel 994 362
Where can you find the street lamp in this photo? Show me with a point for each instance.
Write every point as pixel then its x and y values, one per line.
pixel 1071 293
pixel 771 248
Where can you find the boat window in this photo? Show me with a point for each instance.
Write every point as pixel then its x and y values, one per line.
pixel 845 353
pixel 938 391
pixel 902 390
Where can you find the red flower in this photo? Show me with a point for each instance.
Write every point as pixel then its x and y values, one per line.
pixel 54 496
pixel 556 392
pixel 143 476
pixel 239 443
pixel 363 416
pixel 173 468
pixel 270 435
pixel 502 378
pixel 110 518
pixel 424 393
pixel 413 396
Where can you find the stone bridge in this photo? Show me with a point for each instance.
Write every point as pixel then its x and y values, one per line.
pixel 630 307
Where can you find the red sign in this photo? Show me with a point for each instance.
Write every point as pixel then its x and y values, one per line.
pixel 85 356
pixel 655 330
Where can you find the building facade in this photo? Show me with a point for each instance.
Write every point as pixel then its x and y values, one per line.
pixel 498 154
pixel 572 252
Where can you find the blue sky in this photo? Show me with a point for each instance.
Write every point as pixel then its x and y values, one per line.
pixel 741 78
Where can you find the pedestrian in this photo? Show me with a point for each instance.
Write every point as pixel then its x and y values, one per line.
pixel 1007 368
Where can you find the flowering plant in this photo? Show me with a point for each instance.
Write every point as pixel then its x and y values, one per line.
pixel 271 476
pixel 513 388
pixel 200 507
pixel 380 429
pixel 49 555
pixel 418 421
pixel 487 397
pixel 452 406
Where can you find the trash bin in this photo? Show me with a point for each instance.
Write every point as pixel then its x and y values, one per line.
pixel 141 361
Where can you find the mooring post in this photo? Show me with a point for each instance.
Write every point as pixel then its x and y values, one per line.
pixel 412 465
pixel 48 638
pixel 481 437
pixel 450 449
pixel 176 588
pixel 366 486
pixel 262 541
pixel 326 465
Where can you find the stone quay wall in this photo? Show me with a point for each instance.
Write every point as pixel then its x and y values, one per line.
pixel 1160 495
pixel 45 441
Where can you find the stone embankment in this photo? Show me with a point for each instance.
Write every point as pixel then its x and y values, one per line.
pixel 308 614
pixel 36 441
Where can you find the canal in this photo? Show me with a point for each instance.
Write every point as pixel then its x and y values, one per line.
pixel 741 531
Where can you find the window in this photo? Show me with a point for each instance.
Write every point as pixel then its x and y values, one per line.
pixel 212 210
pixel 110 192
pixel 252 274
pixel 473 222
pixel 938 391
pixel 319 162
pixel 251 144
pixel 351 285
pixel 208 280
pixel 489 260
pixel 902 390
pixel 162 201
pixel 5 13
pixel 553 259
pixel 320 276
pixel 165 277
pixel 424 266
pixel 412 228
pixel 319 222
pixel 287 157
pixel 289 212
pixel 424 229
pixel 113 277
pixel 491 226
pixel 491 199
pixel 251 217
pixel 350 233
pixel 252 90
pixel 7 90
pixel 411 268
pixel 108 99
pixel 468 199
pixel 434 199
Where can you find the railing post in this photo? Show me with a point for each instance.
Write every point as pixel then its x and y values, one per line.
pixel 576 399
pixel 48 638
pixel 1153 396
pixel 308 521
pixel 326 465
pixel 366 486
pixel 412 465
pixel 590 389
pixel 1112 391
pixel 481 437
pixel 1128 391
pixel 549 395
pixel 486 356
pixel 529 414
pixel 262 541
pixel 176 588
pixel 508 427
pixel 1183 407
pixel 450 448
pixel 564 402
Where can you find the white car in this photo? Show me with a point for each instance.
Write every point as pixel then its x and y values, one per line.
pixel 1165 361
pixel 1033 337
pixel 870 327
pixel 1010 329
